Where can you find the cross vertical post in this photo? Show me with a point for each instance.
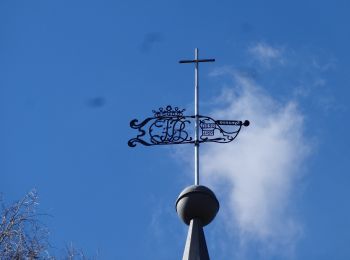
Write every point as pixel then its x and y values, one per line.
pixel 196 111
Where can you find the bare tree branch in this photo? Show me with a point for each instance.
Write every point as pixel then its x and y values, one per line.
pixel 24 237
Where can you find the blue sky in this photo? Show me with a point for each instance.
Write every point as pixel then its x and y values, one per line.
pixel 74 73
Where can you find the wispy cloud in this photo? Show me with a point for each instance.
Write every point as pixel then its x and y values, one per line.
pixel 163 236
pixel 256 176
pixel 265 54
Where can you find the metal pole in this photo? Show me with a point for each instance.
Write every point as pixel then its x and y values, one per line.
pixel 196 112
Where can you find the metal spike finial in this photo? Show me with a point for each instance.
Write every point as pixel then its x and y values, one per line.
pixel 196 110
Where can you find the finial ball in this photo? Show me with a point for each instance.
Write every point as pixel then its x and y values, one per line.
pixel 197 201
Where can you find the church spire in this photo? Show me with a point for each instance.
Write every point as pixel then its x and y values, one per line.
pixel 197 206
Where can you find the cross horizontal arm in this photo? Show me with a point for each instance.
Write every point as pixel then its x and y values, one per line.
pixel 196 61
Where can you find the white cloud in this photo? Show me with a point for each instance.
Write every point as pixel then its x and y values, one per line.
pixel 323 67
pixel 256 175
pixel 266 54
pixel 259 176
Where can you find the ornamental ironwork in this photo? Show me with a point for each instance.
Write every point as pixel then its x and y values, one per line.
pixel 170 126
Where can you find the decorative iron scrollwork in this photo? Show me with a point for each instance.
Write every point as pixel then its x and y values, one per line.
pixel 170 126
pixel 219 131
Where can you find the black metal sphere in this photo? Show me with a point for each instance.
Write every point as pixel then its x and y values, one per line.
pixel 197 201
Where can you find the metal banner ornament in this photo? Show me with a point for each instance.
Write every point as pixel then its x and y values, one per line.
pixel 169 125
